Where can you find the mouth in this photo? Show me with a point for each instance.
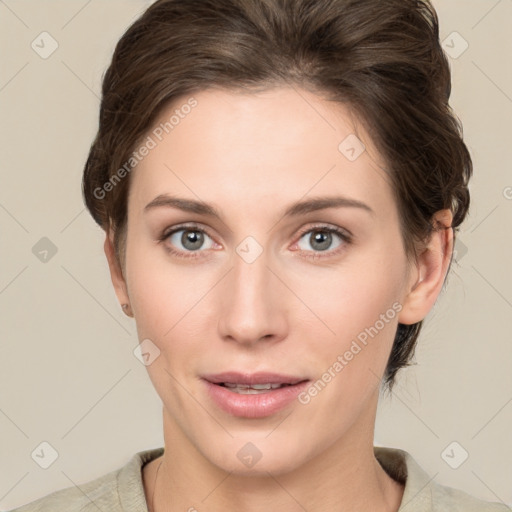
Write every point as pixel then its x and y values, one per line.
pixel 260 381
pixel 254 389
pixel 253 395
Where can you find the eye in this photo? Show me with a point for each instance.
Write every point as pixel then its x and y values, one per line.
pixel 322 238
pixel 187 239
pixel 190 241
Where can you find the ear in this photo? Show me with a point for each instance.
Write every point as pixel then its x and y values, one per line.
pixel 116 273
pixel 430 271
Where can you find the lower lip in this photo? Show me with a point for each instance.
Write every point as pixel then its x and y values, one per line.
pixel 254 406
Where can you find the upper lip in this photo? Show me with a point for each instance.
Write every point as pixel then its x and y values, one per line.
pixel 252 378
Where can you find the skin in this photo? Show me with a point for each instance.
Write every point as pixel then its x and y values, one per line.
pixel 252 155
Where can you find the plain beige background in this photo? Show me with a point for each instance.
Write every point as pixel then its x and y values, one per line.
pixel 68 374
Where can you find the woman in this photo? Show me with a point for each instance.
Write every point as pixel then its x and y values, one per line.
pixel 234 137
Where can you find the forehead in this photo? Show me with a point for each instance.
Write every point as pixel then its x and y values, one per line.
pixel 283 143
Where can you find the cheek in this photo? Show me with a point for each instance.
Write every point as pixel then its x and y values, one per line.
pixel 349 364
pixel 172 304
pixel 348 299
pixel 163 300
pixel 161 292
pixel 357 308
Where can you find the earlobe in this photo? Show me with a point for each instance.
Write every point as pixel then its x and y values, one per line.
pixel 431 270
pixel 116 274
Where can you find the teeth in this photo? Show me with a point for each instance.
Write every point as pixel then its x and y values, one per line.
pixel 266 386
pixel 251 389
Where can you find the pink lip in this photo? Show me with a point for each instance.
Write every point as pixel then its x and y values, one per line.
pixel 258 405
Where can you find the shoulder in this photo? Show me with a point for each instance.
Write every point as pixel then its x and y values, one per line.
pixel 100 493
pixel 422 493
pixel 451 499
pixel 119 490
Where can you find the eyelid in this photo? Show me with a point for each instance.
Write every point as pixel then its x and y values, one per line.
pixel 319 225
pixel 187 225
pixel 327 227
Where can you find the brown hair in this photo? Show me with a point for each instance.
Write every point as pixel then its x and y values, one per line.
pixel 380 57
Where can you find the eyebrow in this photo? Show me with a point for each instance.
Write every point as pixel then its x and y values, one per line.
pixel 296 209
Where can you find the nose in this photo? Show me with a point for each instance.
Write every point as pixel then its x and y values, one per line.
pixel 252 303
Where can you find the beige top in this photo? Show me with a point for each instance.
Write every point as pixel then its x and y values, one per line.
pixel 122 489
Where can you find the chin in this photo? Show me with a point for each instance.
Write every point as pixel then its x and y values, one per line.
pixel 256 456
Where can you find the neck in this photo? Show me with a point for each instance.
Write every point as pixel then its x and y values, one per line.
pixel 345 476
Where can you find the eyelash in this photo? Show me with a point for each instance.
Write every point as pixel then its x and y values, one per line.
pixel 344 236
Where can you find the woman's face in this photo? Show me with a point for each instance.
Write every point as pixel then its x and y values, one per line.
pixel 258 289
